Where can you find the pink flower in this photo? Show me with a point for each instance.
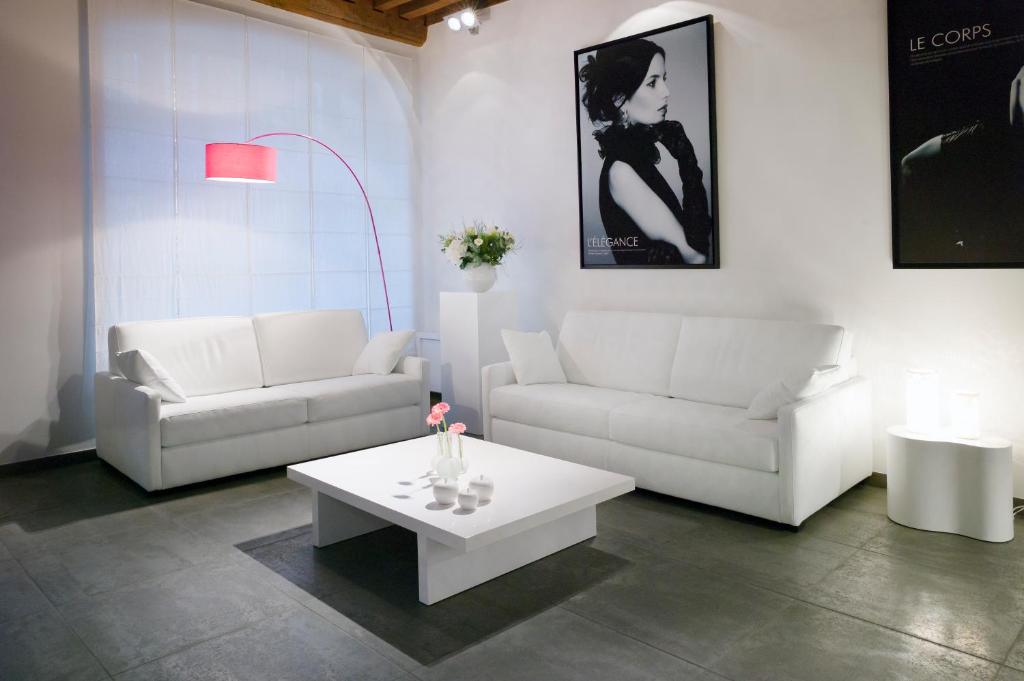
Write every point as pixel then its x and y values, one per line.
pixel 434 419
pixel 441 408
pixel 457 428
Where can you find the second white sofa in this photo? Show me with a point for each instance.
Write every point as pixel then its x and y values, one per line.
pixel 262 391
pixel 663 398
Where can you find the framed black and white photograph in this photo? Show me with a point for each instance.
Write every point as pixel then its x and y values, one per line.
pixel 957 132
pixel 645 131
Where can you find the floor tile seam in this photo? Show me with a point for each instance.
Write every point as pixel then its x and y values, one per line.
pixel 880 625
pixel 189 646
pixel 648 644
pixel 359 643
pixel 740 580
pixel 917 563
pixel 67 624
pixel 1018 639
pixel 220 507
pixel 6 518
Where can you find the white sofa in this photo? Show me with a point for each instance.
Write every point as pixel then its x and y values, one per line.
pixel 663 398
pixel 262 391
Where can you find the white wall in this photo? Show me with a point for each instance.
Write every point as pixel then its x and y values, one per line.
pixel 44 402
pixel 803 189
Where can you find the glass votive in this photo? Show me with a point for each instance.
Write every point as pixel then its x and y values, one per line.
pixel 965 414
pixel 922 400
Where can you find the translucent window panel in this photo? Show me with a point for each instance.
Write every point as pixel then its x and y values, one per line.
pixel 340 290
pixel 389 141
pixel 389 180
pixel 401 316
pixel 330 174
pixel 340 213
pixel 209 250
pixel 281 253
pixel 388 86
pixel 394 216
pixel 214 294
pixel 209 33
pixel 212 205
pixel 125 202
pixel 280 293
pixel 109 18
pixel 344 135
pixel 148 250
pixel 277 210
pixel 139 155
pixel 169 76
pixel 192 159
pixel 336 78
pixel 397 251
pixel 125 106
pixel 400 288
pixel 147 297
pixel 278 95
pixel 292 167
pixel 340 252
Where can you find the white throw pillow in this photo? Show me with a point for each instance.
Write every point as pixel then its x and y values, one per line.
pixel 143 368
pixel 798 386
pixel 534 359
pixel 382 353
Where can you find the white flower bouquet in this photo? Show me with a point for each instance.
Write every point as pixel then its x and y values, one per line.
pixel 480 244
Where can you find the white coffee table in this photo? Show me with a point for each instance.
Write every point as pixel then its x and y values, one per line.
pixel 541 505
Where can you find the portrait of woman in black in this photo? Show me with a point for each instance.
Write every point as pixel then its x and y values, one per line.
pixel 626 96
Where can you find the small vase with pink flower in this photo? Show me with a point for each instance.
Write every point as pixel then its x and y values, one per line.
pixel 450 460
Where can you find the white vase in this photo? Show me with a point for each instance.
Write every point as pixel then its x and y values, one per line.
pixel 480 277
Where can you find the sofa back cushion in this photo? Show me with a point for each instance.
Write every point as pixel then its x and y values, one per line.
pixel 623 350
pixel 727 361
pixel 309 346
pixel 205 355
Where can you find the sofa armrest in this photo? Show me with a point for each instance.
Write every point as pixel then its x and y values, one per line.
pixel 493 376
pixel 128 428
pixel 419 368
pixel 825 447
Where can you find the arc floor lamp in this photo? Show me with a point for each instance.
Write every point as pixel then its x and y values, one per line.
pixel 256 163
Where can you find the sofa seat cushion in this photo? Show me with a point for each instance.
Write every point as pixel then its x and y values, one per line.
pixel 212 417
pixel 566 407
pixel 699 431
pixel 335 398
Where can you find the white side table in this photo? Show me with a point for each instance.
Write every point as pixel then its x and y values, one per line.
pixel 945 484
pixel 471 325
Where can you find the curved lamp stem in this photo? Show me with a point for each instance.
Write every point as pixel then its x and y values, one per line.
pixel 373 223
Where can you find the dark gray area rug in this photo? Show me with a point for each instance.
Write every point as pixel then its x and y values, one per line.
pixel 372 580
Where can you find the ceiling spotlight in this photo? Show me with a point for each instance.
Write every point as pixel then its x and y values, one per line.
pixel 468 18
pixel 454 23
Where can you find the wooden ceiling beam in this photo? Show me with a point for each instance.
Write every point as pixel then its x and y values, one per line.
pixel 426 7
pixel 385 5
pixel 402 20
pixel 360 15
pixel 438 17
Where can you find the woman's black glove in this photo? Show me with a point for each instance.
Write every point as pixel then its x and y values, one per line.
pixel 697 219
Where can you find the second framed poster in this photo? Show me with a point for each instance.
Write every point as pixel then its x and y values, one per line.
pixel 957 149
pixel 645 132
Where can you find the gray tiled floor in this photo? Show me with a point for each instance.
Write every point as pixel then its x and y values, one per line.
pixel 100 580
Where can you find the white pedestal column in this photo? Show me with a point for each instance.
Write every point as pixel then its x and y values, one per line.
pixel 471 325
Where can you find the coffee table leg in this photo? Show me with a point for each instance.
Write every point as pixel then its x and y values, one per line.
pixel 335 521
pixel 445 571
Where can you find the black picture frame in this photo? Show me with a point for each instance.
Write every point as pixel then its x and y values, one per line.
pixel 950 67
pixel 710 152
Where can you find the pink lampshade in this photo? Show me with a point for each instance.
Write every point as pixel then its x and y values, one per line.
pixel 229 162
